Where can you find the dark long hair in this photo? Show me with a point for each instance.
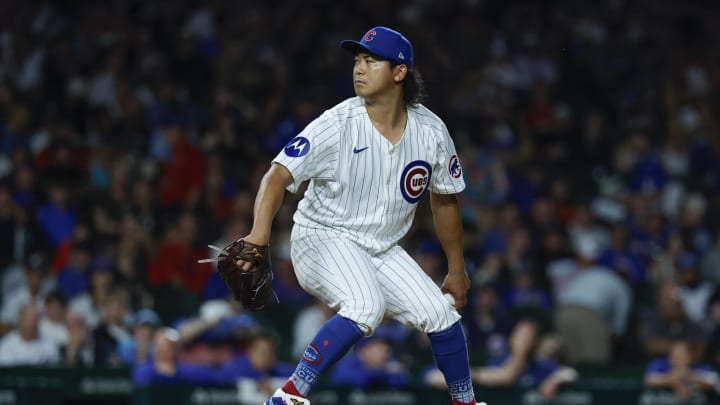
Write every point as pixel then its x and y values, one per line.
pixel 413 86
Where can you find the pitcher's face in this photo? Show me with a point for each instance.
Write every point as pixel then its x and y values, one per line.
pixel 373 76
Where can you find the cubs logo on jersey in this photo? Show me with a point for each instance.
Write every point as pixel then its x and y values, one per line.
pixel 414 180
pixel 454 167
pixel 297 147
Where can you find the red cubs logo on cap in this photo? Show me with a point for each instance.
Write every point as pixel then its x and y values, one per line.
pixel 454 167
pixel 414 180
pixel 370 36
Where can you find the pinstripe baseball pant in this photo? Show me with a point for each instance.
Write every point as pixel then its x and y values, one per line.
pixel 364 287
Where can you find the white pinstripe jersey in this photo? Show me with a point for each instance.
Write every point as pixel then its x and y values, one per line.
pixel 361 185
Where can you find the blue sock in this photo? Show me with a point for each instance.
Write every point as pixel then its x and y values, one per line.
pixel 332 341
pixel 451 357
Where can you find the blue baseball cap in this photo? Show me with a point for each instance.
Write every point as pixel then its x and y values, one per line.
pixel 384 42
pixel 685 260
pixel 146 316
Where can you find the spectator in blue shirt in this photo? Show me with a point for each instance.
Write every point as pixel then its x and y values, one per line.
pixel 258 362
pixel 285 282
pixel 137 348
pixel 528 365
pixel 164 367
pixel 489 323
pixel 679 372
pixel 522 367
pixel 524 292
pixel 56 217
pixel 371 366
pixel 647 174
pixel 217 324
pixel 257 372
pixel 620 258
pixel 73 279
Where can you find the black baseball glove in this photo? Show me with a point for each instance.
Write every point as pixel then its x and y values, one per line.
pixel 253 287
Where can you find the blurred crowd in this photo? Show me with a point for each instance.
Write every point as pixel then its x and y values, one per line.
pixel 134 133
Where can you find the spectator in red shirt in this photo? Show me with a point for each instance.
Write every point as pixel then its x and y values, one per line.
pixel 176 260
pixel 182 173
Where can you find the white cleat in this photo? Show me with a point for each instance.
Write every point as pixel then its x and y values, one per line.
pixel 281 397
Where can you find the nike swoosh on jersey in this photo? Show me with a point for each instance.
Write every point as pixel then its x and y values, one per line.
pixel 358 150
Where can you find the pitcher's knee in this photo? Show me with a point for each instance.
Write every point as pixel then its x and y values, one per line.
pixel 437 319
pixel 368 317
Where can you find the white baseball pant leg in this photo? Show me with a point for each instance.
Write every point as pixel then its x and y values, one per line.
pixel 341 274
pixel 363 288
pixel 411 296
